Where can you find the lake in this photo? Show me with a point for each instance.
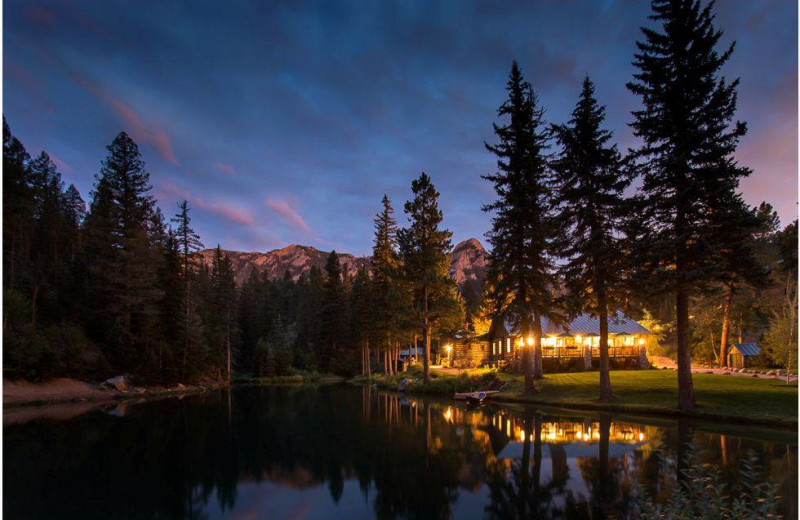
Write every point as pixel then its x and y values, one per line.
pixel 341 451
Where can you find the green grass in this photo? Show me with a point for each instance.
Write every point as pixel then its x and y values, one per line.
pixel 730 398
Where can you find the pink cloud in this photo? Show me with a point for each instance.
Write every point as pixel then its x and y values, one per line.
pixel 224 168
pixel 230 212
pixel 227 211
pixel 285 210
pixel 62 165
pixel 138 128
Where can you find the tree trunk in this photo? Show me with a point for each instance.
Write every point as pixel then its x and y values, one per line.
pixel 369 361
pixel 527 358
pixel 726 324
pixel 686 401
pixel 605 376
pixel 33 306
pixel 537 346
pixel 426 336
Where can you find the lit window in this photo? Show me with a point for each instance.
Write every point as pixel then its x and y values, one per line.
pixel 508 344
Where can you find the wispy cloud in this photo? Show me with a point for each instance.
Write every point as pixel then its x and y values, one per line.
pixel 289 214
pixel 227 169
pixel 139 129
pixel 62 165
pixel 226 210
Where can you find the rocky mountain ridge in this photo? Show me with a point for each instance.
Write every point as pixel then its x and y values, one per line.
pixel 468 261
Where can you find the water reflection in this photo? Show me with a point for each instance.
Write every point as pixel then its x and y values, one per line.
pixel 351 452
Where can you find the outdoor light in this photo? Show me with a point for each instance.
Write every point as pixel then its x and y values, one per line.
pixel 522 435
pixel 641 436
pixel 530 340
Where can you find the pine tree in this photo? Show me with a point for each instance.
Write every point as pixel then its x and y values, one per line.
pixel 740 232
pixel 224 303
pixel 46 243
pixel 124 255
pixel 522 273
pixel 331 313
pixel 17 207
pixel 424 249
pixel 188 244
pixel 386 279
pixel 590 180
pixel 361 322
pixel 686 156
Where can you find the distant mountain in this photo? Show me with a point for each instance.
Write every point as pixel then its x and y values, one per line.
pixel 469 260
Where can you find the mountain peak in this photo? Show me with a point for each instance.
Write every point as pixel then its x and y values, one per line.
pixel 472 243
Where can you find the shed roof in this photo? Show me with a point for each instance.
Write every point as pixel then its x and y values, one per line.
pixel 618 323
pixel 747 349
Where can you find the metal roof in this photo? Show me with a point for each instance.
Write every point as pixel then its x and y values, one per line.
pixel 747 349
pixel 618 323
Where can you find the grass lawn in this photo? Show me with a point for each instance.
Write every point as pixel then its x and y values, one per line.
pixel 730 398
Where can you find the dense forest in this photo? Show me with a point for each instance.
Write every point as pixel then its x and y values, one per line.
pixel 117 287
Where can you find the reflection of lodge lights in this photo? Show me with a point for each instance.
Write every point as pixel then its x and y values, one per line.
pixel 569 432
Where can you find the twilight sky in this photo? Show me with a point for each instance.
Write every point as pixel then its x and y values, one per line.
pixel 286 122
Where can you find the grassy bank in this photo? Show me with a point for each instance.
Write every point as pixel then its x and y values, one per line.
pixel 731 398
pixel 294 379
pixel 441 383
pixel 734 399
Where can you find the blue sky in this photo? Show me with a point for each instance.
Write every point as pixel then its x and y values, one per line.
pixel 286 122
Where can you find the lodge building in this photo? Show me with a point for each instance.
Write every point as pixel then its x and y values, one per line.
pixel 575 344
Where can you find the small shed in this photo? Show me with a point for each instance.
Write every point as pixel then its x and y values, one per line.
pixel 743 355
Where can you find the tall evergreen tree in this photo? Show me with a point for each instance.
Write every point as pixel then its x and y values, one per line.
pixel 331 313
pixel 224 304
pixel 188 244
pixel 124 255
pixel 689 173
pixel 740 232
pixel 424 249
pixel 522 272
pixel 386 279
pixel 362 317
pixel 590 180
pixel 17 207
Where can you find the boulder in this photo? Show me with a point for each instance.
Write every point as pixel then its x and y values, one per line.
pixel 726 373
pixel 754 375
pixel 402 385
pixel 709 372
pixel 771 373
pixel 117 383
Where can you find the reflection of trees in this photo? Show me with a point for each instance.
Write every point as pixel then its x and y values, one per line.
pixel 516 490
pixel 171 459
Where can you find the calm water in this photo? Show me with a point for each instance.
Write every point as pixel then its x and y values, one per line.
pixel 348 452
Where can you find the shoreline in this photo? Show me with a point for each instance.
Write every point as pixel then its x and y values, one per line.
pixel 650 412
pixel 22 394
